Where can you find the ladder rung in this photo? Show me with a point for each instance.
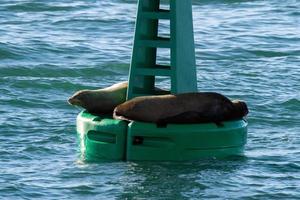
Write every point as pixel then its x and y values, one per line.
pixel 158 70
pixel 161 14
pixel 159 42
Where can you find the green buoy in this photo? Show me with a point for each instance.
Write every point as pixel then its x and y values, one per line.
pixel 102 137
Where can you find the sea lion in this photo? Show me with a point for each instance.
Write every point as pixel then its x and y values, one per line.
pixel 103 101
pixel 100 101
pixel 202 107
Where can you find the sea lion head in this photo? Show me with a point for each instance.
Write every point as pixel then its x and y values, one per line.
pixel 241 108
pixel 95 101
pixel 80 98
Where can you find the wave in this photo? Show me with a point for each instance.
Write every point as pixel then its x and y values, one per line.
pixel 48 70
pixel 8 53
pixel 292 104
pixel 271 54
pixel 41 7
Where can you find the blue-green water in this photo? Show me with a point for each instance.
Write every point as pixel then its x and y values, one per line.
pixel 48 49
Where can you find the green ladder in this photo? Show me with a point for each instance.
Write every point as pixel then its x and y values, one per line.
pixel 144 67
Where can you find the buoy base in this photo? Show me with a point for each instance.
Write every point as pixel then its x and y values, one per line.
pixel 102 137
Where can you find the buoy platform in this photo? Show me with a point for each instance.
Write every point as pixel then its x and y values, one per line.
pixel 106 138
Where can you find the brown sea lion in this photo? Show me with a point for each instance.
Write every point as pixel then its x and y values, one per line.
pixel 202 107
pixel 103 101
pixel 100 101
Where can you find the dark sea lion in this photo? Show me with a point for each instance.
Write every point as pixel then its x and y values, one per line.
pixel 100 101
pixel 202 107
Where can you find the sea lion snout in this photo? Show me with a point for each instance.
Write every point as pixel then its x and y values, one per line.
pixel 73 101
pixel 78 98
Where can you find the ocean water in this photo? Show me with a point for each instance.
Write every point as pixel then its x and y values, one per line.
pixel 245 49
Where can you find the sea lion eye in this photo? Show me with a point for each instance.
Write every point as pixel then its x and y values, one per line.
pixel 79 96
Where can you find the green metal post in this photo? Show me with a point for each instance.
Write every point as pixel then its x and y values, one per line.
pixel 144 68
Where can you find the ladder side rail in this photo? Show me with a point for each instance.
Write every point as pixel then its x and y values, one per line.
pixel 183 62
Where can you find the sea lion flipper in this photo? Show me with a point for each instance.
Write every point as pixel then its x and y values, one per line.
pixel 121 117
pixel 219 124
